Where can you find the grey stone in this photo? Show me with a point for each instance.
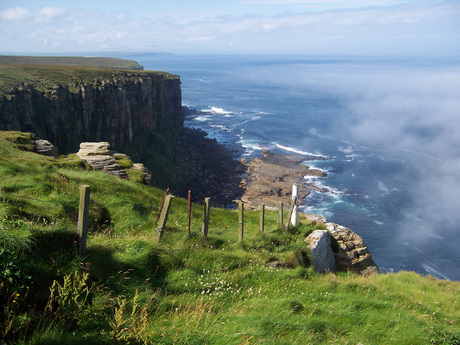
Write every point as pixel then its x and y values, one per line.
pixel 44 147
pixel 319 243
pixel 93 149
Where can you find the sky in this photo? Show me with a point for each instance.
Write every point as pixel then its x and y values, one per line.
pixel 316 27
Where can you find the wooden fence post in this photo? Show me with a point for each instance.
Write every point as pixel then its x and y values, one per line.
pixel 262 217
pixel 162 203
pixel 189 212
pixel 241 220
pixel 288 220
pixel 281 213
pixel 163 218
pixel 83 210
pixel 295 201
pixel 207 209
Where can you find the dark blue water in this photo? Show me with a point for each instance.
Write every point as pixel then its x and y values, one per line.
pixel 383 129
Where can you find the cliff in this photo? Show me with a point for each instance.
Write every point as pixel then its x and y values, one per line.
pixel 68 105
pixel 137 112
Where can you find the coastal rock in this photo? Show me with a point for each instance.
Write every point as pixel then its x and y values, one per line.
pixel 319 243
pixel 44 147
pixel 352 254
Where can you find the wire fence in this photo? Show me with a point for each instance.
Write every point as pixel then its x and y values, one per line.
pixel 163 213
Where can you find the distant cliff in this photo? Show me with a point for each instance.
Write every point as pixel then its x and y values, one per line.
pixel 68 105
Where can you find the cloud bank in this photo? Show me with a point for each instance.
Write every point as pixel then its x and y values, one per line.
pixel 302 27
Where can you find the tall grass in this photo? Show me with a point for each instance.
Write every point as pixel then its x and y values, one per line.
pixel 214 290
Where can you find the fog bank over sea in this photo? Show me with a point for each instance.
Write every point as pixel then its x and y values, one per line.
pixel 387 128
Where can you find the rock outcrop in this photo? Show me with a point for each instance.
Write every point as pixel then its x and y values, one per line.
pixel 269 179
pixel 352 254
pixel 147 173
pixel 319 243
pixel 116 109
pixel 99 157
pixel 44 147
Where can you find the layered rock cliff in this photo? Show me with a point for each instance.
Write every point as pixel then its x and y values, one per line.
pixel 94 105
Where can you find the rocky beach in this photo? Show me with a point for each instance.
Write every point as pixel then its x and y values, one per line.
pixel 269 179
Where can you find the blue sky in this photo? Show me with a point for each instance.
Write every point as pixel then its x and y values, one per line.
pixel 339 27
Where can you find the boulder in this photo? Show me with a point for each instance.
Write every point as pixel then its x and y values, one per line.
pixel 319 243
pixel 44 147
pixel 93 149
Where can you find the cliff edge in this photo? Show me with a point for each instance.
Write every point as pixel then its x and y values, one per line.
pixel 71 104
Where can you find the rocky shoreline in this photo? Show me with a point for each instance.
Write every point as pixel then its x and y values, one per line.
pixel 269 179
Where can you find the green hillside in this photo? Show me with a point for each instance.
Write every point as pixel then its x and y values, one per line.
pixel 128 289
pixel 99 62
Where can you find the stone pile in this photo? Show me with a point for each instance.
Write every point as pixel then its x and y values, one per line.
pixel 352 254
pixel 98 156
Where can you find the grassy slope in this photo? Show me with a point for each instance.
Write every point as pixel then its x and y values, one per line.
pixel 100 62
pixel 195 291
pixel 43 75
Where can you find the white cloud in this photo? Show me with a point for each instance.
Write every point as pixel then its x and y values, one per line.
pixel 355 30
pixel 17 13
pixel 49 13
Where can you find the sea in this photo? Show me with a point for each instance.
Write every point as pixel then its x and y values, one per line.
pixel 385 129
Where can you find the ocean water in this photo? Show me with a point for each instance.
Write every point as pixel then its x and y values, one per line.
pixel 386 131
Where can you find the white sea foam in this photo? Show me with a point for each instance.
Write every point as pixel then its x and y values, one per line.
pixel 203 118
pixel 305 153
pixel 217 111
pixel 221 127
pixel 250 146
pixel 322 211
pixel 433 271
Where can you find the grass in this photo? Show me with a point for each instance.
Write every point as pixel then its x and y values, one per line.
pixel 100 62
pixel 128 289
pixel 45 73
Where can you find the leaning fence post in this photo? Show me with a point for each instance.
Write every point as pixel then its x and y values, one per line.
pixel 162 203
pixel 262 217
pixel 281 213
pixel 163 218
pixel 241 220
pixel 288 220
pixel 83 210
pixel 207 208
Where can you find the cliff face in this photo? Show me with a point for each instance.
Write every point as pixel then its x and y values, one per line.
pixel 116 109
